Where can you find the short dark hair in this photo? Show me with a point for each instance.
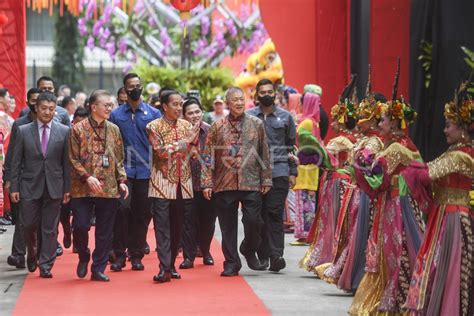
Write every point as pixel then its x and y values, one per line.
pixel 129 76
pixel 31 92
pixel 95 95
pixel 379 97
pixel 121 90
pixel 164 89
pixel 66 100
pixel 44 78
pixel 263 82
pixel 3 92
pixel 165 97
pixel 81 112
pixel 46 96
pixel 190 101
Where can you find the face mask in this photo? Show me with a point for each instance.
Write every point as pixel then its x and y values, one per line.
pixel 134 94
pixel 266 100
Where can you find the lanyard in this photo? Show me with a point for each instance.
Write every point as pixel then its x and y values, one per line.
pixel 97 134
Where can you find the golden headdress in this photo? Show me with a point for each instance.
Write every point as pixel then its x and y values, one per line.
pixel 345 108
pixel 461 109
pixel 369 107
pixel 398 108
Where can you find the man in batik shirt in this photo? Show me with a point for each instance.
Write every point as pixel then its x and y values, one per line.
pixel 237 170
pixel 170 187
pixel 98 176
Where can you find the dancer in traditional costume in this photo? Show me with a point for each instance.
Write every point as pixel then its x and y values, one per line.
pixel 368 114
pixel 308 171
pixel 333 185
pixel 442 281
pixel 398 227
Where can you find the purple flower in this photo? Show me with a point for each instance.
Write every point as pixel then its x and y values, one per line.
pixel 110 47
pixel 96 28
pixel 220 41
pixel 151 22
pixel 139 7
pixel 201 45
pixel 231 28
pixel 82 27
pixel 211 52
pixel 165 38
pixel 105 32
pixel 91 6
pixel 90 43
pixel 123 46
pixel 205 25
pixel 107 13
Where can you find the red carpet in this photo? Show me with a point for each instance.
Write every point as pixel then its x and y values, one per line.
pixel 201 291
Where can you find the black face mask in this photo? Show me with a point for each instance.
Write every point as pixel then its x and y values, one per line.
pixel 266 100
pixel 134 94
pixel 32 108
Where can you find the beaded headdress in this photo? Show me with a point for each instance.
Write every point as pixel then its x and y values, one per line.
pixel 369 107
pixel 398 108
pixel 345 108
pixel 461 109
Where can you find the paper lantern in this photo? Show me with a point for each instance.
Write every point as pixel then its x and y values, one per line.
pixel 3 21
pixel 184 6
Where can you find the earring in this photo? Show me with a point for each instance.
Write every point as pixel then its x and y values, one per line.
pixel 463 136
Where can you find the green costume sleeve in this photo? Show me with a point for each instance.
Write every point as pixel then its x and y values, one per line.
pixel 374 181
pixel 308 144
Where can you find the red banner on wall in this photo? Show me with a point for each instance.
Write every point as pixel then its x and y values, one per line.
pixel 13 50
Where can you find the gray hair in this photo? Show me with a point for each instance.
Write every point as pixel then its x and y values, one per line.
pixel 231 91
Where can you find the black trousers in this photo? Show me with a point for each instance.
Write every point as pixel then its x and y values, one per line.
pixel 273 235
pixel 105 209
pixel 169 216
pixel 65 218
pixel 226 204
pixel 199 226
pixel 18 244
pixel 41 214
pixel 132 220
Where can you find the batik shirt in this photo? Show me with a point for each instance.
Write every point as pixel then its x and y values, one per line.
pixel 196 158
pixel 236 155
pixel 169 170
pixel 89 145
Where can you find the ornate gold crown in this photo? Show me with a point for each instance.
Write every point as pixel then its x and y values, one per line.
pixel 400 110
pixel 460 111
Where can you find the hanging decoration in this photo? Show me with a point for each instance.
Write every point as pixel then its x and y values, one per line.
pixel 3 21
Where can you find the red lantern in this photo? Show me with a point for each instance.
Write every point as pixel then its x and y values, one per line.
pixel 184 6
pixel 3 21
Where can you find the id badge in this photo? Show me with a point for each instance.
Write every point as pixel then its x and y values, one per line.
pixel 105 161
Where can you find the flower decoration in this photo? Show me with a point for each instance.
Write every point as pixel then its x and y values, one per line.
pixel 400 110
pixel 343 111
pixel 154 31
pixel 461 109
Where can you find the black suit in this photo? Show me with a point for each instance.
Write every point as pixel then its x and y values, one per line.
pixel 41 182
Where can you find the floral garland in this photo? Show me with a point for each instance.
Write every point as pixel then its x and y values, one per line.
pixel 400 110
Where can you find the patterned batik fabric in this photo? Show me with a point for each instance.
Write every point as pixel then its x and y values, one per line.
pixel 236 155
pixel 170 169
pixel 88 144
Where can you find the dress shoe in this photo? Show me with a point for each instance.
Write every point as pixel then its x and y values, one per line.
pixel 118 264
pixel 59 251
pixel 265 263
pixel 208 260
pixel 32 264
pixel 162 277
pixel 67 240
pixel 252 260
pixel 16 261
pixel 146 249
pixel 175 274
pixel 99 276
pixel 186 264
pixel 137 264
pixel 277 263
pixel 45 274
pixel 82 269
pixel 229 273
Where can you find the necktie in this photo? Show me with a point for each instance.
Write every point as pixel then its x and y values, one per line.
pixel 44 140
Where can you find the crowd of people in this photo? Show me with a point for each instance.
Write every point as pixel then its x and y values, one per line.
pixel 380 223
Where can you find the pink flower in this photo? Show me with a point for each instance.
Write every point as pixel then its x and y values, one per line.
pixel 110 46
pixel 82 27
pixel 205 25
pixel 96 28
pixel 90 43
pixel 123 46
pixel 91 6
